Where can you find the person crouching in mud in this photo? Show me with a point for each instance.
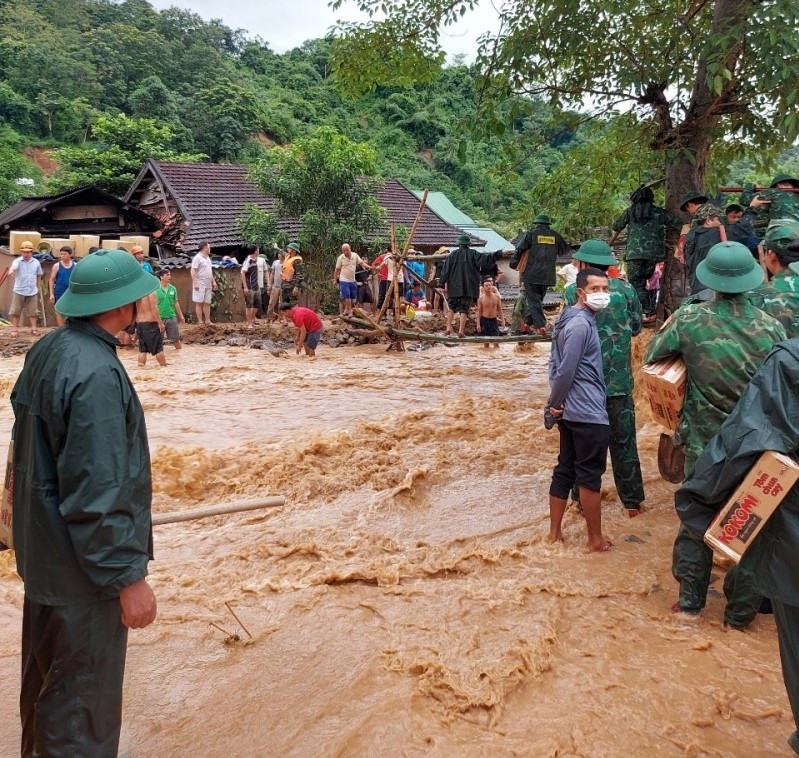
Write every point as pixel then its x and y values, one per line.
pixel 577 405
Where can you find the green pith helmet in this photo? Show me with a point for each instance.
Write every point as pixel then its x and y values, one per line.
pixel 729 267
pixel 464 239
pixel 692 197
pixel 784 178
pixel 595 252
pixel 780 234
pixel 706 211
pixel 103 281
pixel 542 218
pixel 295 246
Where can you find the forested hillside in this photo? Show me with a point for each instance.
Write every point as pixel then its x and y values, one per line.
pixel 95 86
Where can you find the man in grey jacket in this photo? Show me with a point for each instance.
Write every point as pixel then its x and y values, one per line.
pixel 577 405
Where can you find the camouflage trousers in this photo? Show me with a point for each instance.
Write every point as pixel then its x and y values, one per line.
pixel 692 565
pixel 623 452
pixel 287 292
pixel 638 272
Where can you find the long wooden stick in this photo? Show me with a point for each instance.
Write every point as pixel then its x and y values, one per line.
pixel 432 337
pixel 219 510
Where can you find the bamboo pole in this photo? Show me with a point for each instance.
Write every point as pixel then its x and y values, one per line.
pixel 433 337
pixel 218 510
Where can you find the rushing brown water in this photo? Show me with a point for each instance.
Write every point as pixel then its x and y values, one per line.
pixel 404 601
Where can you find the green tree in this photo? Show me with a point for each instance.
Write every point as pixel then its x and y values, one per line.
pixel 327 182
pixel 15 171
pixel 692 74
pixel 119 147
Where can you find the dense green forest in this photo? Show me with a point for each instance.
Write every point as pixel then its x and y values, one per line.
pixel 89 88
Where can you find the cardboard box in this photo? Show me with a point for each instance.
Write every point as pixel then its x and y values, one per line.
pixel 746 512
pixel 111 245
pixel 15 239
pixel 82 242
pixel 142 241
pixel 56 243
pixel 124 244
pixel 665 383
pixel 7 502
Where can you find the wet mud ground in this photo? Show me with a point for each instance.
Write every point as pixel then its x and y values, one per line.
pixel 404 601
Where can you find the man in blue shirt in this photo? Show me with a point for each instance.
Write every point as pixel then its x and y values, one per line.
pixel 577 405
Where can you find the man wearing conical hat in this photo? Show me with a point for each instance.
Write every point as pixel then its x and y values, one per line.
pixel 82 488
pixel 723 343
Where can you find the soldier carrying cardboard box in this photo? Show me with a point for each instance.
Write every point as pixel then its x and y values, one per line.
pixel 723 343
pixel 766 418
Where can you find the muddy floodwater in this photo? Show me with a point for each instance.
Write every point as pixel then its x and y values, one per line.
pixel 404 601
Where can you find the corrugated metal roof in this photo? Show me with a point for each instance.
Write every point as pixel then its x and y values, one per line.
pixel 445 208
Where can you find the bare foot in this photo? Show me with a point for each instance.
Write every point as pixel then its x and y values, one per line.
pixel 552 539
pixel 602 547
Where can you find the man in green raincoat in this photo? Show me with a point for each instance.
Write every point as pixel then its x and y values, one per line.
pixel 82 528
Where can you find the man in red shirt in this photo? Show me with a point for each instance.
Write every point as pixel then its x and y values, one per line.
pixel 381 264
pixel 309 327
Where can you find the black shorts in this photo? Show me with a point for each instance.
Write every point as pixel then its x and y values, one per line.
pixel 365 294
pixel 582 459
pixel 489 327
pixel 151 340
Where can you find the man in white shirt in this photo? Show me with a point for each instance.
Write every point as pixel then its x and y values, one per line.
pixel 568 273
pixel 203 284
pixel 275 279
pixel 344 276
pixel 26 273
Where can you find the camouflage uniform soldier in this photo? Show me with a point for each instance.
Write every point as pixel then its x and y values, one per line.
pixel 617 325
pixel 780 297
pixel 723 343
pixel 781 204
pixel 645 243
pixel 535 260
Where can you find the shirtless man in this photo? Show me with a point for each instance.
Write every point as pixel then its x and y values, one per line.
pixel 489 311
pixel 150 328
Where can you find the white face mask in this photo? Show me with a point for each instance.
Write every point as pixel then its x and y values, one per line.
pixel 596 301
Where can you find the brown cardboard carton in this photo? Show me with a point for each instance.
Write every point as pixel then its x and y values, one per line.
pixel 15 239
pixel 111 245
pixel 751 505
pixel 665 383
pixel 7 502
pixel 56 243
pixel 82 242
pixel 141 240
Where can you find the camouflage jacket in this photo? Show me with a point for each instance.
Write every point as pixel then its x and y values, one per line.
pixel 723 343
pixel 617 325
pixel 783 306
pixel 646 239
pixel 783 204
pixel 783 281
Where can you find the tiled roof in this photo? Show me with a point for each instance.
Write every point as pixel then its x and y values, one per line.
pixel 402 206
pixel 211 197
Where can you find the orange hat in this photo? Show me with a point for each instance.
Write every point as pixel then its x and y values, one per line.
pixel 136 249
pixel 26 245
